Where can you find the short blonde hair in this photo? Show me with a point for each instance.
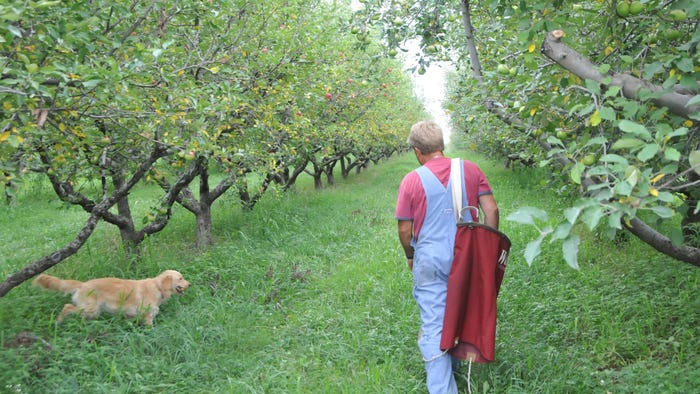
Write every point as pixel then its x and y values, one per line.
pixel 427 137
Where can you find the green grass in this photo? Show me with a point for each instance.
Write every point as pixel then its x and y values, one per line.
pixel 310 293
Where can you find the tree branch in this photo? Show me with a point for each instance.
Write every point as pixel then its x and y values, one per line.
pixel 553 48
pixel 631 87
pixel 96 213
pixel 662 243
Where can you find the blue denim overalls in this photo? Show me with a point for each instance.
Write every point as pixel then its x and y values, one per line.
pixel 431 268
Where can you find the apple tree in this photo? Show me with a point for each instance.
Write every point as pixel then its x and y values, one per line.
pixel 603 92
pixel 99 97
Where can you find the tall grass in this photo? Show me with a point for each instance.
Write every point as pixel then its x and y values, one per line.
pixel 310 293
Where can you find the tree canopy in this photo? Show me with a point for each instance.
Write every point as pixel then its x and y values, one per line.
pixel 605 93
pixel 99 97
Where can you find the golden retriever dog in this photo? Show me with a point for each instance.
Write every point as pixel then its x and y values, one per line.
pixel 114 295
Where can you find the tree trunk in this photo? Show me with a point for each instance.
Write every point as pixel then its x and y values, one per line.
pixel 691 221
pixel 130 237
pixel 343 166
pixel 9 187
pixel 471 44
pixel 316 174
pixel 203 214
pixel 328 169
pixel 295 174
pixel 204 235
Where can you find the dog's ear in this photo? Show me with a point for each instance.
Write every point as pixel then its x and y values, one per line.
pixel 166 282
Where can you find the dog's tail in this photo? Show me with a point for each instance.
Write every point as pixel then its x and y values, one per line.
pixel 51 282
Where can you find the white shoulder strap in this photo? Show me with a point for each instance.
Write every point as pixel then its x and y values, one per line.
pixel 456 179
pixel 458 195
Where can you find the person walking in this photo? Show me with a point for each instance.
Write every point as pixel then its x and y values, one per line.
pixel 426 229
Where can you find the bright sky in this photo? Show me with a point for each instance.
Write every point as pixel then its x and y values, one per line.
pixel 430 88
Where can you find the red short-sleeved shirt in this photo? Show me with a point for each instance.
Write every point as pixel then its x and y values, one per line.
pixel 411 202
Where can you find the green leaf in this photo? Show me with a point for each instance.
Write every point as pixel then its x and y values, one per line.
pixel 571 214
pixel 562 231
pixel 527 215
pixel 676 236
pixel 652 69
pixel 593 86
pixel 13 140
pixel 630 108
pixel 595 118
pixel 570 250
pixel 91 83
pixel 648 152
pixel 672 154
pixel 694 159
pixel 614 220
pixel 632 175
pixel 14 30
pixel 23 58
pixel 602 193
pixel 612 158
pixel 627 143
pixel 693 101
pixel 576 172
pixel 533 249
pixel 45 4
pixel 685 64
pixel 586 109
pixel 688 81
pixel 623 188
pixel 679 132
pixel 600 140
pixel 524 36
pixel 554 140
pixel 665 197
pixel 662 130
pixel 592 216
pixel 663 212
pixel 607 113
pixel 634 128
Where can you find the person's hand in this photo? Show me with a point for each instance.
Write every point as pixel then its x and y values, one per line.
pixel 410 264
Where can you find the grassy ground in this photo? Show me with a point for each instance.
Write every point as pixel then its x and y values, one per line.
pixel 310 293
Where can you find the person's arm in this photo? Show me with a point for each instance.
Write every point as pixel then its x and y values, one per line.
pixel 488 205
pixel 405 234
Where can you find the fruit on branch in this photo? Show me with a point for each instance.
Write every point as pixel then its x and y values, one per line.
pixel 623 9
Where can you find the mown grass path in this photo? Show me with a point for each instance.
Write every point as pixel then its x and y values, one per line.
pixel 310 293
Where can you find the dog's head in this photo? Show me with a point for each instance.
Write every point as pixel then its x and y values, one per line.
pixel 172 281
